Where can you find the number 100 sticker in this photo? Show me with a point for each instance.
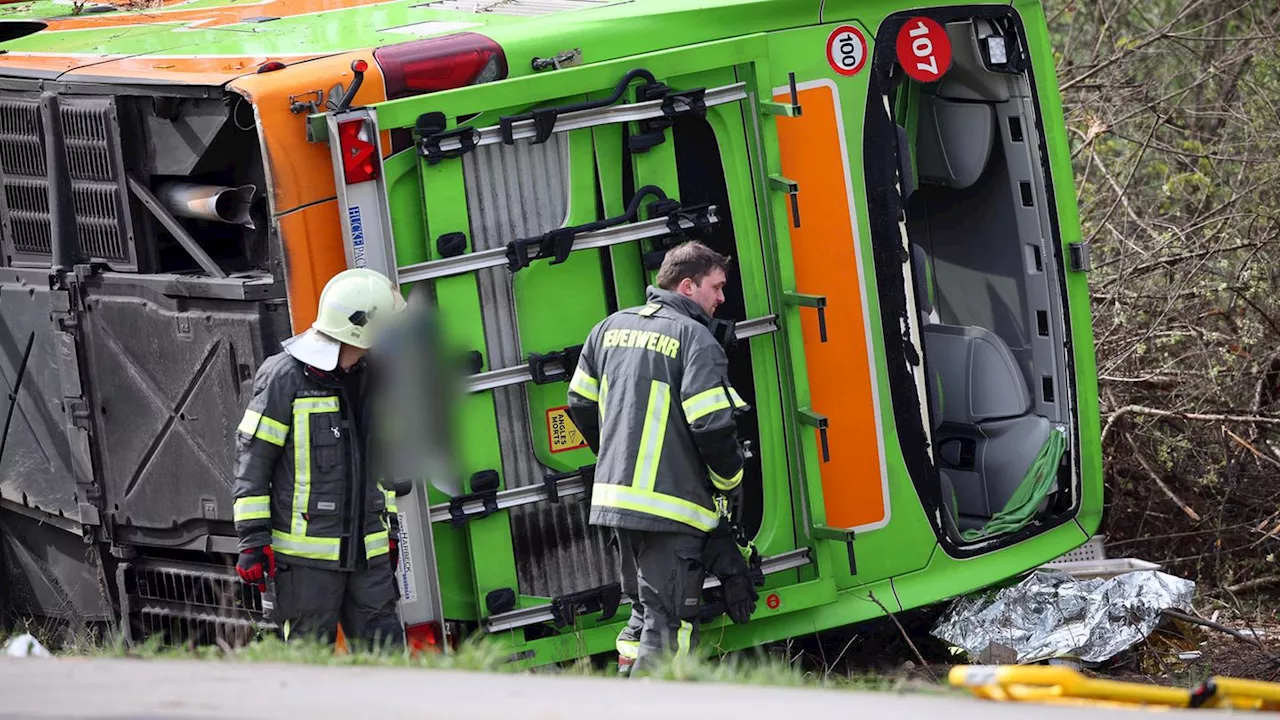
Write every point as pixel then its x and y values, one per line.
pixel 924 50
pixel 846 50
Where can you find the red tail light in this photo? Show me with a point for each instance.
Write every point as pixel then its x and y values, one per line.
pixel 442 63
pixel 426 636
pixel 359 151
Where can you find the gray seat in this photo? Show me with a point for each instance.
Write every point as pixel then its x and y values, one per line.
pixel 985 435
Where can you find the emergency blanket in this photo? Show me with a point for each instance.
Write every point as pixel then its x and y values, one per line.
pixel 1051 614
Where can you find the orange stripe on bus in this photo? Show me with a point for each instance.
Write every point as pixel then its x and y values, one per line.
pixel 302 172
pixel 207 17
pixel 841 385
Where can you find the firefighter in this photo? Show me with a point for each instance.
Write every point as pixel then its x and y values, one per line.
pixel 652 397
pixel 308 509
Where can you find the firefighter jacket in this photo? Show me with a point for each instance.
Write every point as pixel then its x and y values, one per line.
pixel 652 397
pixel 303 482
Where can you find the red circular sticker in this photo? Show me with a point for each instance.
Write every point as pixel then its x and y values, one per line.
pixel 924 50
pixel 773 601
pixel 846 50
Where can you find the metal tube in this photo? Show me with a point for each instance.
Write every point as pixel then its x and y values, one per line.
pixel 171 224
pixel 63 234
pixel 208 202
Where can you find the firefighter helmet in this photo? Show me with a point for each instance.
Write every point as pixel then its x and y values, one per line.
pixel 355 306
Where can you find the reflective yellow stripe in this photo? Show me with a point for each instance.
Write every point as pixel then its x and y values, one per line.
pixel 725 483
pixel 622 497
pixel 709 401
pixel 684 638
pixel 272 431
pixel 257 425
pixel 628 648
pixel 303 409
pixel 391 500
pixel 328 403
pixel 651 438
pixel 256 507
pixel 585 385
pixel 305 547
pixel 376 544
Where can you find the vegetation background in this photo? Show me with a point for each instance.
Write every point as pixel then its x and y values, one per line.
pixel 1173 112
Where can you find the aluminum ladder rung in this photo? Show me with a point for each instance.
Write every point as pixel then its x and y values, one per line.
pixel 612 114
pixel 513 497
pixel 497 257
pixel 521 373
pixel 542 613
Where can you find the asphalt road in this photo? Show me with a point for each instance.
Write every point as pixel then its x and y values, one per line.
pixel 122 688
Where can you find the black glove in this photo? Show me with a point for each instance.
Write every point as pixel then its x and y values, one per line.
pixel 739 597
pixel 722 558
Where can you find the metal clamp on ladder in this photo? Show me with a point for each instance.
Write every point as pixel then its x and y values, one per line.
pixel 484 491
pixel 430 128
pixel 652 132
pixel 605 599
pixel 567 359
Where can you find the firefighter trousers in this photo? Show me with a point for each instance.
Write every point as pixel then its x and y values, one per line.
pixel 662 574
pixel 310 602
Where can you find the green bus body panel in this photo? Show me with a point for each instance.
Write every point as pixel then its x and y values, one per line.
pixel 687 45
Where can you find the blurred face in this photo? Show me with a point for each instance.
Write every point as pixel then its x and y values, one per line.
pixel 709 294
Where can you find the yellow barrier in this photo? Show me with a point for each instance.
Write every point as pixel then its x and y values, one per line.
pixel 1060 685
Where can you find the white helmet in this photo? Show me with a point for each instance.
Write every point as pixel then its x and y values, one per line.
pixel 355 306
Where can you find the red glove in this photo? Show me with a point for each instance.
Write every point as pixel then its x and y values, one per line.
pixel 395 554
pixel 251 562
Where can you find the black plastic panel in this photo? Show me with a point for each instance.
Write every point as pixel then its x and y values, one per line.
pixel 35 464
pixel 170 379
pixel 49 572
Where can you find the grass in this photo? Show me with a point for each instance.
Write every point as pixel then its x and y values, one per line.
pixel 757 667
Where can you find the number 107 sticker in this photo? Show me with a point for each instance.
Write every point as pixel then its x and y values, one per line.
pixel 846 50
pixel 924 50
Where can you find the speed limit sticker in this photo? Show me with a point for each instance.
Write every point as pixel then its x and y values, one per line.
pixel 924 50
pixel 846 50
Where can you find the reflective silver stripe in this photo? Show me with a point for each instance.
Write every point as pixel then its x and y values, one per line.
pixel 585 385
pixel 305 547
pixel 622 497
pixel 303 409
pixel 604 393
pixel 272 431
pixel 725 483
pixel 255 424
pixel 376 544
pixel 651 438
pixel 256 507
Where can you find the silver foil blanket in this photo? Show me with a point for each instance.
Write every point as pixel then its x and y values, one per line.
pixel 1050 614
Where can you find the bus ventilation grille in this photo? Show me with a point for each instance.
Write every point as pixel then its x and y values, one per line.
pixel 188 604
pixel 99 195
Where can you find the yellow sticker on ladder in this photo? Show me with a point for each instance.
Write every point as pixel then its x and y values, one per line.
pixel 564 434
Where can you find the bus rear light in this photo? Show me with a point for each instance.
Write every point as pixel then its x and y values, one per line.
pixel 441 63
pixel 360 161
pixel 426 636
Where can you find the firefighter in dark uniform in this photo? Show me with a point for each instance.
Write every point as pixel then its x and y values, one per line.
pixel 652 397
pixel 309 510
